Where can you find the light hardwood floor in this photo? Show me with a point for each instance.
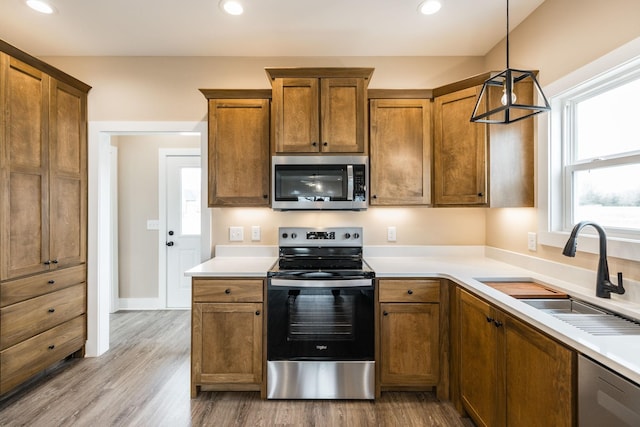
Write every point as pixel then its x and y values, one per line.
pixel 143 380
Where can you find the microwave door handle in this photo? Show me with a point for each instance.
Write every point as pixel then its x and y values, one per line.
pixel 349 182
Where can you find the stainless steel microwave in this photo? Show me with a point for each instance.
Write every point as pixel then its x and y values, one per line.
pixel 319 182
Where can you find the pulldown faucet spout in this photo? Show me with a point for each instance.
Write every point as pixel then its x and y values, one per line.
pixel 604 287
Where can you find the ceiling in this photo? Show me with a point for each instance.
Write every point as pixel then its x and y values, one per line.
pixel 267 28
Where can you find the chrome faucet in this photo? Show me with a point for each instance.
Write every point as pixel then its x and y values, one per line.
pixel 604 287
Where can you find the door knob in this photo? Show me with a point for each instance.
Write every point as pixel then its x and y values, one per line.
pixel 170 232
pixel 170 243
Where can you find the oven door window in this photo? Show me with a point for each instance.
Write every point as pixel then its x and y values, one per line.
pixel 319 324
pixel 321 317
pixel 310 183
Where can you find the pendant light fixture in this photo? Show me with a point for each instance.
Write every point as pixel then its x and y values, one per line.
pixel 499 103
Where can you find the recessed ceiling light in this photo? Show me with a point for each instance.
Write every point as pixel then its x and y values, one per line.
pixel 232 7
pixel 429 7
pixel 40 6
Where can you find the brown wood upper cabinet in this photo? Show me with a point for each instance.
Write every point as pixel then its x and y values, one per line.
pixel 477 164
pixel 509 373
pixel 400 151
pixel 238 147
pixel 319 110
pixel 459 151
pixel 43 166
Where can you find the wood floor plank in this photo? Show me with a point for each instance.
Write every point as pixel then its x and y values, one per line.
pixel 143 380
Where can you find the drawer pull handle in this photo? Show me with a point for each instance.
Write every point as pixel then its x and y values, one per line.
pixel 52 310
pixel 227 291
pixel 410 292
pixel 385 313
pixel 497 323
pixel 257 312
pixel 489 319
pixel 51 347
pixel 55 261
pixel 51 282
pixel 47 262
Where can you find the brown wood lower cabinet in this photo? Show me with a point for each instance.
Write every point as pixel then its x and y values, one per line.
pixel 227 334
pixel 411 335
pixel 509 373
pixel 25 359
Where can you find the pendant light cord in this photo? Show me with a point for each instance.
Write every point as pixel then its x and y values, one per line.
pixel 507 34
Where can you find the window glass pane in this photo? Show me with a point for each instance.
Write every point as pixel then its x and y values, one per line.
pixel 190 196
pixel 608 123
pixel 609 196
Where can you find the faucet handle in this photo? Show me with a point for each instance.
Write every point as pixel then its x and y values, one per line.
pixel 620 289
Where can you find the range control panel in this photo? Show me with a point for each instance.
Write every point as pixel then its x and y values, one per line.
pixel 335 236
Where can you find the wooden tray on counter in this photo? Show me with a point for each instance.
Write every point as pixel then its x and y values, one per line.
pixel 526 290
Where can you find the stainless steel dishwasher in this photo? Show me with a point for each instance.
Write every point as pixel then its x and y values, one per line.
pixel 606 398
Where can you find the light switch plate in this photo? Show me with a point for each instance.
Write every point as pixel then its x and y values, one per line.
pixel 236 234
pixel 255 233
pixel 532 241
pixel 391 234
pixel 153 224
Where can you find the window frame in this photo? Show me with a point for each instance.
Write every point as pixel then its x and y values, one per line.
pixel 554 183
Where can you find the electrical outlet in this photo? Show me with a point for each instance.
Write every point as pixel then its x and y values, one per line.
pixel 255 233
pixel 391 234
pixel 236 234
pixel 532 241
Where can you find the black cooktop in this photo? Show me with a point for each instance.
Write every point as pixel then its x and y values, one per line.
pixel 321 263
pixel 362 272
pixel 320 254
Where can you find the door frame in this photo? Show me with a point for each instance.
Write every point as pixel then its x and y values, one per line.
pixel 163 155
pixel 99 259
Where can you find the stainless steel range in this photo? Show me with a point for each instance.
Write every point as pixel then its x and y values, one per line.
pixel 320 317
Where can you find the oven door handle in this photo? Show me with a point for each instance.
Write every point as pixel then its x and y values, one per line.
pixel 340 283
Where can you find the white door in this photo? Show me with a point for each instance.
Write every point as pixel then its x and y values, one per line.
pixel 183 226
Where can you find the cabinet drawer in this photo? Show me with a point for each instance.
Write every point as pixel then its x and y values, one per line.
pixel 29 287
pixel 418 290
pixel 227 290
pixel 24 360
pixel 28 318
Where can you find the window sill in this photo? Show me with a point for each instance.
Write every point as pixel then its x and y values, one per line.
pixel 617 247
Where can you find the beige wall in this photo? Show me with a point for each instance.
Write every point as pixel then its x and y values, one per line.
pixel 166 88
pixel 562 35
pixel 137 203
pixel 559 37
pixel 415 226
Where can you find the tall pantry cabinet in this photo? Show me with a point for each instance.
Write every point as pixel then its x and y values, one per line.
pixel 43 216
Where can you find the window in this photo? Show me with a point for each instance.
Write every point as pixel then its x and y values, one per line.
pixel 600 134
pixel 588 154
pixel 190 197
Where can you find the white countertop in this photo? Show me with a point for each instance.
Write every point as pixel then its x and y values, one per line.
pixel 464 265
pixel 233 266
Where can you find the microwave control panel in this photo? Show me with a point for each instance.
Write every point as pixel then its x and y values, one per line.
pixel 359 184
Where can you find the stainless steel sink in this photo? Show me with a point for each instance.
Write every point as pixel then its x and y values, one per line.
pixel 591 319
pixel 562 306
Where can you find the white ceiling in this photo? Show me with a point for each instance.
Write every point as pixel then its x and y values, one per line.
pixel 267 28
